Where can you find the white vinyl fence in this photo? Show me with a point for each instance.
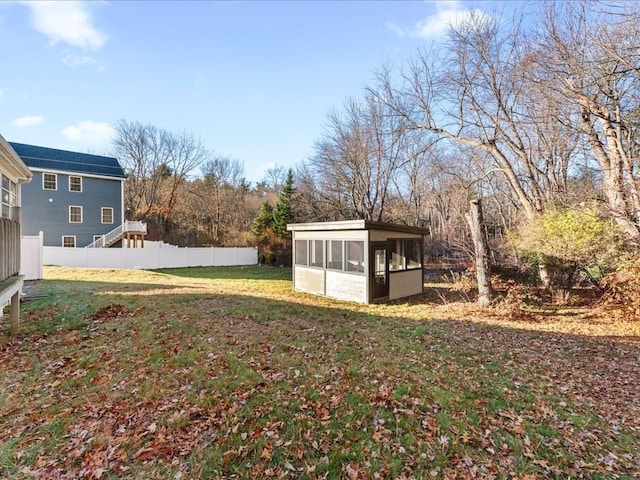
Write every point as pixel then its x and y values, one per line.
pixel 150 258
pixel 31 257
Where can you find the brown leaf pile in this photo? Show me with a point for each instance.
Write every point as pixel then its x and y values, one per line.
pixel 109 313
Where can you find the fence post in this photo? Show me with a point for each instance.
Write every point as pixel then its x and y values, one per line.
pixel 40 255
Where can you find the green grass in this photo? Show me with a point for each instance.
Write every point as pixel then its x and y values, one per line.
pixel 223 372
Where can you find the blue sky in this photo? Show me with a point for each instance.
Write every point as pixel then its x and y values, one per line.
pixel 254 80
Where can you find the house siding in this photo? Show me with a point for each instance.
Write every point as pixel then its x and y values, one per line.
pixel 48 210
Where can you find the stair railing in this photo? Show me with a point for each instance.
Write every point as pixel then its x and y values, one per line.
pixel 117 233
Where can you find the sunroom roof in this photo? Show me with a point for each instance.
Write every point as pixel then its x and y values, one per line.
pixel 354 225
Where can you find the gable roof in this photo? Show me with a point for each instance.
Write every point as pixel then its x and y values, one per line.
pixel 11 164
pixel 54 159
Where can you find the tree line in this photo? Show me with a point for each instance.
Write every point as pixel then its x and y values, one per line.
pixel 537 118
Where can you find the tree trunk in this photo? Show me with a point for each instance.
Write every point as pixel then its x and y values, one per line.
pixel 543 274
pixel 481 246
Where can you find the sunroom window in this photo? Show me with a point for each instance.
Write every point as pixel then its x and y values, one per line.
pixel 334 254
pixel 301 252
pixel 355 256
pixel 404 254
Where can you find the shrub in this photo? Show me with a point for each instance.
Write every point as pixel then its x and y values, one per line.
pixel 567 241
pixel 623 287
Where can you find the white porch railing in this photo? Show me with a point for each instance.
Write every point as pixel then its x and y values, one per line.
pixel 117 233
pixel 9 248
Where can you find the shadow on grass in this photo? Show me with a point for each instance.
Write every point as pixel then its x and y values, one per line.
pixel 249 272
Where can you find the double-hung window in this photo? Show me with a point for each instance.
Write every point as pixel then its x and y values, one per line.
pixel 107 215
pixel 8 196
pixel 75 184
pixel 69 241
pixel 49 181
pixel 75 214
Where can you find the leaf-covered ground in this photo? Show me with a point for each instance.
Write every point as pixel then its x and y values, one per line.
pixel 226 373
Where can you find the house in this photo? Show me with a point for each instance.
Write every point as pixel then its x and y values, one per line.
pixel 75 199
pixel 13 174
pixel 357 260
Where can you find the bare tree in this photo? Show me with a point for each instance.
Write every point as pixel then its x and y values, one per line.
pixel 185 153
pixel 357 158
pixel 141 151
pixel 312 207
pixel 589 52
pixel 481 248
pixel 157 163
pixel 221 195
pixel 275 177
pixel 477 94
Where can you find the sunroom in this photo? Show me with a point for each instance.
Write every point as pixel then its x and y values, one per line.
pixel 357 260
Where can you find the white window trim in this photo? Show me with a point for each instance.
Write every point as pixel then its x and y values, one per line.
pixel 81 213
pixel 55 175
pixel 97 237
pixel 8 196
pixel 9 191
pixel 69 236
pixel 102 215
pixel 75 176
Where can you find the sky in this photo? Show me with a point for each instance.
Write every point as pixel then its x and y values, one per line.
pixel 253 80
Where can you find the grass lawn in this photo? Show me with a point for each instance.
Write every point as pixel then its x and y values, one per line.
pixel 226 373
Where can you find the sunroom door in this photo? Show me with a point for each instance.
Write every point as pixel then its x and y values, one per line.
pixel 379 272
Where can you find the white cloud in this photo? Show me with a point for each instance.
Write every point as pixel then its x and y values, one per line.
pixel 89 132
pixel 448 13
pixel 72 60
pixel 66 22
pixel 27 121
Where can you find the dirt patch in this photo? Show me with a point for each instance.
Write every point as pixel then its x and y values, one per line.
pixel 240 327
pixel 109 313
pixel 229 325
pixel 30 288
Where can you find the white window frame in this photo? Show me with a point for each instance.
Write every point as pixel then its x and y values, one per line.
pixel 81 213
pixel 64 237
pixel 79 178
pixel 8 192
pixel 102 210
pixel 55 180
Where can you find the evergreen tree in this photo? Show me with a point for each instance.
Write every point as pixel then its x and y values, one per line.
pixel 263 221
pixel 284 213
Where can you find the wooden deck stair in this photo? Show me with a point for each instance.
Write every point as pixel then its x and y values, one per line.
pixel 127 230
